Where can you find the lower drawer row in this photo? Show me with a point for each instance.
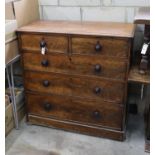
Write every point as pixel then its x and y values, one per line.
pixel 72 85
pixel 79 110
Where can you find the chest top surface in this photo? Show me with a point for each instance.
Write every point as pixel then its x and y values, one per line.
pixel 111 29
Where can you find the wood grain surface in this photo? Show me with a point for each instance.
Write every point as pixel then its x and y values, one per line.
pixel 76 109
pixel 62 84
pixel 112 29
pixel 80 83
pixel 77 127
pixel 110 47
pixel 55 43
pixel 77 65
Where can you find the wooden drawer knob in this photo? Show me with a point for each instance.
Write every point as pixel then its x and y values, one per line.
pixel 97 90
pixel 46 83
pixel 98 47
pixel 42 44
pixel 96 114
pixel 44 63
pixel 47 106
pixel 97 68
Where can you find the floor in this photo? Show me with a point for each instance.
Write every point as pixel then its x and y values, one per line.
pixel 36 140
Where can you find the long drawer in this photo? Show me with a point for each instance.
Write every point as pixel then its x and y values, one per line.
pixel 75 86
pixel 54 43
pixel 75 109
pixel 110 47
pixel 77 65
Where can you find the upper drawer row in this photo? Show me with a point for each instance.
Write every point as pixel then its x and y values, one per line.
pixel 108 46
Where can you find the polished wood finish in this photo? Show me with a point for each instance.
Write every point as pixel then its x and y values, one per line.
pixel 75 75
pixel 79 86
pixel 76 110
pixel 112 29
pixel 77 65
pixel 77 127
pixel 53 43
pixel 101 46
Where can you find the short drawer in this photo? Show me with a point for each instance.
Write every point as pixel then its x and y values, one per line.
pixel 52 43
pixel 111 47
pixel 76 109
pixel 76 64
pixel 62 84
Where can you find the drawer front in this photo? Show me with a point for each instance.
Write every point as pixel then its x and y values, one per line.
pixel 88 65
pixel 75 109
pixel 111 47
pixel 75 86
pixel 52 43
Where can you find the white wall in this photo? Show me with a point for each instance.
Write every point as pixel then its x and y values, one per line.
pixel 93 10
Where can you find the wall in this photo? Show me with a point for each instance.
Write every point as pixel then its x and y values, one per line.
pixel 93 10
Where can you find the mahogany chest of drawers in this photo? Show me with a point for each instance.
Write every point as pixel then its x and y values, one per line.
pixel 75 75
